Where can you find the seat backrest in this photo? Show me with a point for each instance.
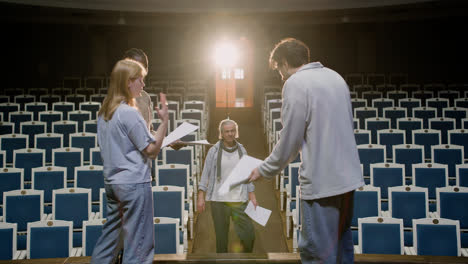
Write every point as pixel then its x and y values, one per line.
pixel 409 104
pixel 430 176
pixel 6 108
pixel 90 177
pixel 49 99
pixel 48 178
pixel 451 95
pixel 10 142
pixel 452 204
pixel 95 156
pixel 293 178
pixel 362 136
pixel 90 126
pixel 86 141
pixel 168 201
pixel 408 203
pixel 184 155
pixel 48 142
pixel 410 88
pixel 448 154
pixel 2 158
pixel 173 174
pixel 80 117
pixel 28 159
pixel 11 179
pixel 439 103
pixel 6 128
pixel 371 95
pixel 393 113
pixel 390 138
pixel 166 229
pixel 102 203
pixel 69 158
pixel 366 203
pixel 462 175
pixel 461 102
pixel 23 206
pixel 381 235
pixel 18 118
pixel 7 241
pixel 92 230
pixel 408 154
pixel 49 239
pixel 195 105
pixel 425 113
pixel 358 102
pixel 457 113
pixel 369 154
pixel 375 124
pixel 65 128
pixel 64 108
pixel 384 175
pixel 92 107
pixel 71 204
pixel 362 113
pixel 50 117
pixel 427 138
pixel 409 124
pixel 23 99
pixel 32 128
pixel 381 103
pixel 459 137
pixel 396 96
pixel 193 114
pixel 437 237
pixel 444 125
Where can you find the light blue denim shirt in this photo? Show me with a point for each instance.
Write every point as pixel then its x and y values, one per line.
pixel 122 140
pixel 208 177
pixel 317 122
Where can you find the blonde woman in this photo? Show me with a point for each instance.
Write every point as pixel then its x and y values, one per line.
pixel 127 148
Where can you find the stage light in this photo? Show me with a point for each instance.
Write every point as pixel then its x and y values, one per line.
pixel 226 54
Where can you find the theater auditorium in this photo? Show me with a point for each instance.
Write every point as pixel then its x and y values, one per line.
pixel 402 60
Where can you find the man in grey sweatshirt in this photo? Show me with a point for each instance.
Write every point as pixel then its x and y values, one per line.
pixel 317 123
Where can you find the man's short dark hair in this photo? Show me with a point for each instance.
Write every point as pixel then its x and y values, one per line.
pixel 138 55
pixel 290 50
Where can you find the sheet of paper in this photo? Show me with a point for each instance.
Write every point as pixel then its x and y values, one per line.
pixel 240 173
pixel 182 130
pixel 259 214
pixel 197 142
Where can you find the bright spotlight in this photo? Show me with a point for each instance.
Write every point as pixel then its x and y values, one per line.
pixel 226 54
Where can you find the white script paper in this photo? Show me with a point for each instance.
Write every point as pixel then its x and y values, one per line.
pixel 197 142
pixel 240 173
pixel 180 131
pixel 259 214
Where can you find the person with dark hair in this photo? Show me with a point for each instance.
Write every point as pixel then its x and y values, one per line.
pixel 143 102
pixel 127 149
pixel 220 161
pixel 317 123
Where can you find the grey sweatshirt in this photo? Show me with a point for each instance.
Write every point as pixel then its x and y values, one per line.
pixel 317 122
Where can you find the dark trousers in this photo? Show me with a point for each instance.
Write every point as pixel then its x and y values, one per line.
pixel 326 234
pixel 221 213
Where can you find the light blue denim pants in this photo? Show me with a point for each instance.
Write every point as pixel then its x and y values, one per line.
pixel 326 234
pixel 129 225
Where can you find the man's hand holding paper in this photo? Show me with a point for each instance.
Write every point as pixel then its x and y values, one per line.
pixel 240 173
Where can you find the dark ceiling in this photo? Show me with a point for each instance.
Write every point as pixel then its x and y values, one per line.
pixel 186 12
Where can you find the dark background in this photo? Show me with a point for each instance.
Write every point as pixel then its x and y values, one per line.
pixel 41 45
